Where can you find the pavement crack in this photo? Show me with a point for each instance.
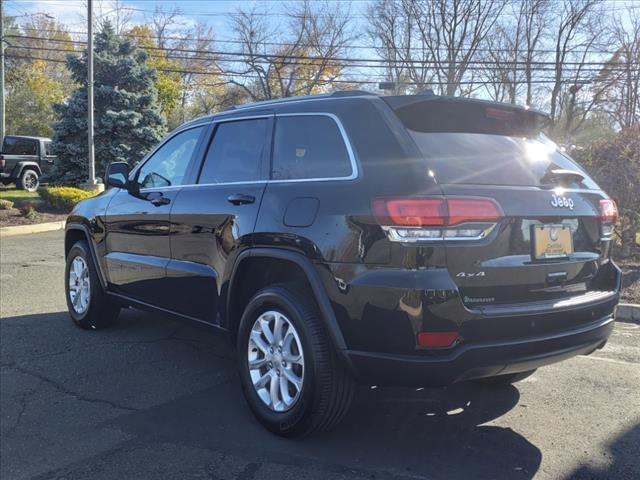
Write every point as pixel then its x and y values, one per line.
pixel 64 390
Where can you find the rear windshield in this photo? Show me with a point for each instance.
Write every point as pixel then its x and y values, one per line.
pixel 485 159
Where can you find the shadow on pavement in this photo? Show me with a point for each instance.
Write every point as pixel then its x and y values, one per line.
pixel 625 462
pixel 179 384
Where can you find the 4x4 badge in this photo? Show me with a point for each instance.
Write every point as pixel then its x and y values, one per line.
pixel 561 202
pixel 470 274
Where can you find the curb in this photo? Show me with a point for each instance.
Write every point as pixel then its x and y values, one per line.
pixel 35 228
pixel 628 312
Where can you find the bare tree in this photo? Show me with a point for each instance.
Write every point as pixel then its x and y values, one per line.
pixel 622 96
pixel 453 31
pixel 285 60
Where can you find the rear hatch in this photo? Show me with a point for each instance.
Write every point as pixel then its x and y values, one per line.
pixel 524 223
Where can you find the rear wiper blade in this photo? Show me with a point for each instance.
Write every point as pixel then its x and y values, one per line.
pixel 561 173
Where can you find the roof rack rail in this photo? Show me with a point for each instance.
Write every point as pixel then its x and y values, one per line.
pixel 343 93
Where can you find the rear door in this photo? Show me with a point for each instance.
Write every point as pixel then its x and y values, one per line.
pixel 213 220
pixel 545 239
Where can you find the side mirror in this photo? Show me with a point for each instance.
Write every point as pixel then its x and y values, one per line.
pixel 117 174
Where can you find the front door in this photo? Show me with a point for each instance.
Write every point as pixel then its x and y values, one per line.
pixel 137 225
pixel 214 220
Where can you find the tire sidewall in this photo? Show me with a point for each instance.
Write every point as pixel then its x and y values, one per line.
pixel 293 420
pixel 24 177
pixel 82 319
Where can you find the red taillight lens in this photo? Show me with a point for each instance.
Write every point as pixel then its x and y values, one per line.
pixel 435 212
pixel 411 212
pixel 473 209
pixel 608 211
pixel 437 339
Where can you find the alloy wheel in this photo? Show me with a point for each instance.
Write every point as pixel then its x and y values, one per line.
pixel 79 285
pixel 276 361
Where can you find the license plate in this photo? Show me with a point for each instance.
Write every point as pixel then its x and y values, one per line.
pixel 551 241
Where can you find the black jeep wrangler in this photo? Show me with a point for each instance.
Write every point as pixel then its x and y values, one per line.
pixel 400 240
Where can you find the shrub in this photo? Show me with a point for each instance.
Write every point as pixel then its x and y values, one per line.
pixel 28 211
pixel 64 198
pixel 5 204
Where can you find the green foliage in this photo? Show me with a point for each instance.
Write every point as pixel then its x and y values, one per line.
pixel 15 195
pixel 128 122
pixel 614 162
pixel 29 212
pixel 64 198
pixel 5 204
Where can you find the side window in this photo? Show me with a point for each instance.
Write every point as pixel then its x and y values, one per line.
pixel 20 146
pixel 47 149
pixel 309 146
pixel 236 152
pixel 168 165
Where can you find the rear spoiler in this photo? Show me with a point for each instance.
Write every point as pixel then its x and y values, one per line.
pixel 431 113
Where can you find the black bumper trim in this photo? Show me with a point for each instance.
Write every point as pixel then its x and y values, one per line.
pixel 479 359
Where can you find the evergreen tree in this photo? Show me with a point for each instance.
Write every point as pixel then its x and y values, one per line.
pixel 127 115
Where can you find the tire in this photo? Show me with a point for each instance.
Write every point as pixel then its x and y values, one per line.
pixel 326 387
pixel 92 309
pixel 29 180
pixel 504 380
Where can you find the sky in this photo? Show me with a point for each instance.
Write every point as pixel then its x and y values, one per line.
pixel 214 12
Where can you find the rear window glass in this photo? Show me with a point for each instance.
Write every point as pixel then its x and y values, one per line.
pixel 309 147
pixel 236 152
pixel 485 159
pixel 20 146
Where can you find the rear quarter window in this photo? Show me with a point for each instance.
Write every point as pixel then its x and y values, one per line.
pixel 309 147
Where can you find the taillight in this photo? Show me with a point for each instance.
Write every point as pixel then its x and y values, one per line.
pixel 436 218
pixel 608 216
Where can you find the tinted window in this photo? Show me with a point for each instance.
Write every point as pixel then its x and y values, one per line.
pixel 48 151
pixel 236 152
pixel 309 147
pixel 484 159
pixel 168 165
pixel 20 146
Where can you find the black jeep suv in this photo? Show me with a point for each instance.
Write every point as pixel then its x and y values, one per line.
pixel 400 240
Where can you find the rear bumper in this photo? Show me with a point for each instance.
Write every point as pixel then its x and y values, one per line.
pixel 479 360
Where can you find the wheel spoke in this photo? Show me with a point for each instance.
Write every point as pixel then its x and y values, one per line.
pixel 257 363
pixel 274 388
pixel 284 391
pixel 293 378
pixel 259 342
pixel 262 381
pixel 277 329
pixel 287 354
pixel 266 330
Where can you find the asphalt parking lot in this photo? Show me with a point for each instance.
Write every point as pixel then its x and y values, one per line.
pixel 154 398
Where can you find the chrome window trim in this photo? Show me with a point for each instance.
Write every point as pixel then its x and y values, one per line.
pixel 345 138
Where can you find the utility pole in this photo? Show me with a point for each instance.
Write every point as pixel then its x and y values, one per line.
pixel 2 109
pixel 92 163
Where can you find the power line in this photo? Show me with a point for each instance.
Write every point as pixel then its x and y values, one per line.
pixel 355 62
pixel 327 82
pixel 346 46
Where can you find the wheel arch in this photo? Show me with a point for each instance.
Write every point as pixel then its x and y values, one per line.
pixel 297 268
pixel 22 166
pixel 75 232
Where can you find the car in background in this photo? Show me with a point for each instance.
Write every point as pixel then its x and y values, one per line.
pixel 23 161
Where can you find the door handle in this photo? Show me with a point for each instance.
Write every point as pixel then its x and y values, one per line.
pixel 159 201
pixel 240 199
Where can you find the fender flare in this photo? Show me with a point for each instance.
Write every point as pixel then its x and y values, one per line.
pixel 21 166
pixel 307 267
pixel 92 249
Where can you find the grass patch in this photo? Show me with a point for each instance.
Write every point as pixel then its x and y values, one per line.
pixel 18 196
